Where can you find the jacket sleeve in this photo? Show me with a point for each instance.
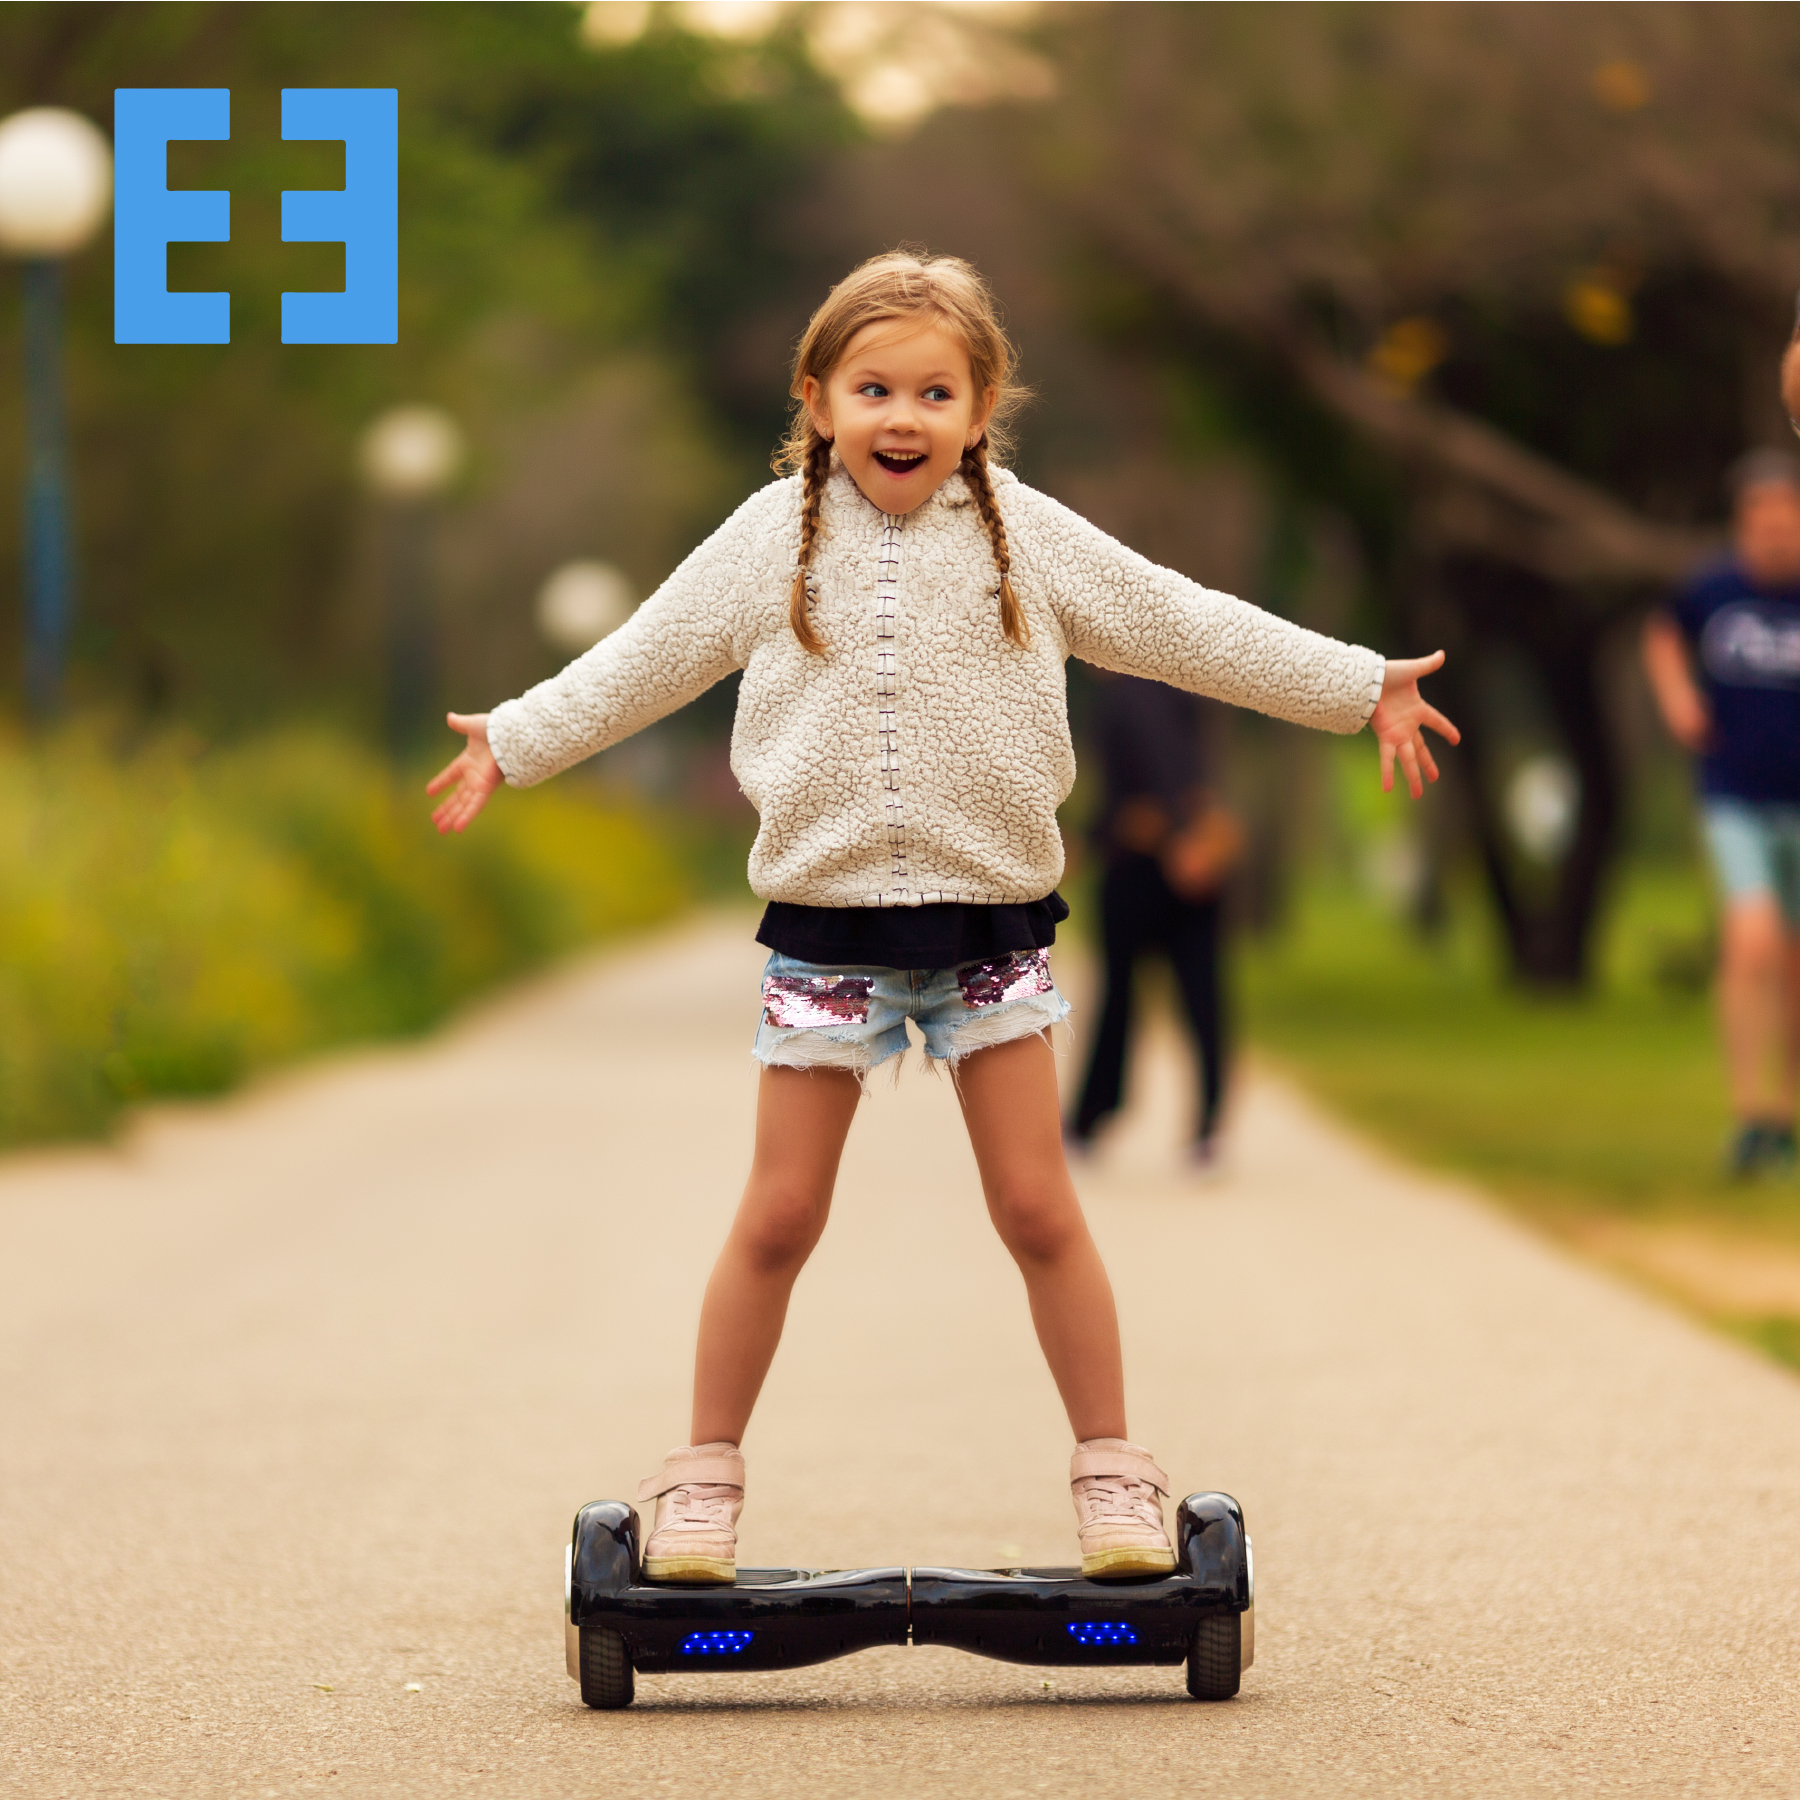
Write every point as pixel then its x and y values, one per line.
pixel 1121 611
pixel 686 636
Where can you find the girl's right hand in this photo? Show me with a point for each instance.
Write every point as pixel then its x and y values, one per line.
pixel 473 775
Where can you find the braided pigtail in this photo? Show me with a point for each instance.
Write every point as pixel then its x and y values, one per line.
pixel 975 473
pixel 815 466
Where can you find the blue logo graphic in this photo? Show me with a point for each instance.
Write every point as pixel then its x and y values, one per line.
pixel 363 215
pixel 1754 643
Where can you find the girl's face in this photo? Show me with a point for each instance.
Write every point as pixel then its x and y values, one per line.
pixel 901 408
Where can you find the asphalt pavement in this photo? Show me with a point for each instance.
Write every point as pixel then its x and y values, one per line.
pixel 298 1394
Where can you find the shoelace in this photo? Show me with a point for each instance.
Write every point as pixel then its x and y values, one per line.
pixel 697 1506
pixel 1118 1499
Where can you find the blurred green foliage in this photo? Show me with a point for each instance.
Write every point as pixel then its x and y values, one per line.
pixel 174 920
pixel 1775 1334
pixel 573 219
pixel 1613 1102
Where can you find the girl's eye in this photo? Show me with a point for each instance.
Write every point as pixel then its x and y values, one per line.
pixel 937 393
pixel 872 390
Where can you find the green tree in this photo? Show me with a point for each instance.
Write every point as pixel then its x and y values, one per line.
pixel 576 226
pixel 1506 283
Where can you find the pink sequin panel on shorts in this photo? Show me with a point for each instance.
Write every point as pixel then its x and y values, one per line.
pixel 1015 976
pixel 806 1002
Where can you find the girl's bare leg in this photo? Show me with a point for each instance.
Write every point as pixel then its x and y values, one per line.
pixel 802 1119
pixel 1009 1103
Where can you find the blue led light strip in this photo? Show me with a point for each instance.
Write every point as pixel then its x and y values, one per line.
pixel 1098 1632
pixel 715 1643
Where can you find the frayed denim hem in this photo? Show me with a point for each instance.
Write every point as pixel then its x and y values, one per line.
pixel 1036 1015
pixel 1045 1016
pixel 812 1050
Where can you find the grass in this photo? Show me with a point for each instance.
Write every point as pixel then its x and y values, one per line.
pixel 172 920
pixel 1610 1100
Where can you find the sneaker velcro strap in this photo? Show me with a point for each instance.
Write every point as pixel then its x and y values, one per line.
pixel 722 1471
pixel 1134 1464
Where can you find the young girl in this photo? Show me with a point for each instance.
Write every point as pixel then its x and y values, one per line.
pixel 901 609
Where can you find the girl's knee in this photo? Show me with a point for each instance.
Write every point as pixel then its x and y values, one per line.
pixel 1036 1223
pixel 778 1228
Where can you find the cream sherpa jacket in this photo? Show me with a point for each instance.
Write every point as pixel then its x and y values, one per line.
pixel 923 756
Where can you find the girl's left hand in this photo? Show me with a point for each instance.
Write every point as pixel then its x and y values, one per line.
pixel 1399 719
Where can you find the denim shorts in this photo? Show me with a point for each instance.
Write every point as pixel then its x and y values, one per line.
pixel 817 1017
pixel 1756 850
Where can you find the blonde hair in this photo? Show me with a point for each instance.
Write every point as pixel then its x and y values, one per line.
pixel 904 284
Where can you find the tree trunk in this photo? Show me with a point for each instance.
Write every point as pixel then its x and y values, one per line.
pixel 1549 923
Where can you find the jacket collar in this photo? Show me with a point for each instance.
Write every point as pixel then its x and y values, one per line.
pixel 953 495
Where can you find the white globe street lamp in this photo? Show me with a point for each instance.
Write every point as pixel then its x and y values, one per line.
pixel 581 602
pixel 412 452
pixel 55 188
pixel 410 456
pixel 55 182
pixel 1543 806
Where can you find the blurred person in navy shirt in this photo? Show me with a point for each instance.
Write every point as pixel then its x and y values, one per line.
pixel 1724 663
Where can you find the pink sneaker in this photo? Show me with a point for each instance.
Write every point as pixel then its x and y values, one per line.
pixel 699 1492
pixel 1118 1493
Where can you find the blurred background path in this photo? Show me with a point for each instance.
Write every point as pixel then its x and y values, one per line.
pixel 301 1391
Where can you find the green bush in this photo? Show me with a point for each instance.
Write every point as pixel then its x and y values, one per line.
pixel 171 920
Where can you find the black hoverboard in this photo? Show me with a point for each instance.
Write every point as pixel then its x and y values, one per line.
pixel 618 1626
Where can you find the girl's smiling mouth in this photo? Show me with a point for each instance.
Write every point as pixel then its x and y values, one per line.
pixel 899 462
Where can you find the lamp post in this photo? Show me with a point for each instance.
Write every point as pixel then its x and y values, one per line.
pixel 581 603
pixel 55 186
pixel 410 455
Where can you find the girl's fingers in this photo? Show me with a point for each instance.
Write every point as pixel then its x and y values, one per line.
pixel 1427 761
pixel 443 777
pixel 1410 763
pixel 470 785
pixel 1410 668
pixel 1429 715
pixel 1387 767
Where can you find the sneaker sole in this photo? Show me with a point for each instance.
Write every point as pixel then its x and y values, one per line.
pixel 1105 1565
pixel 691 1571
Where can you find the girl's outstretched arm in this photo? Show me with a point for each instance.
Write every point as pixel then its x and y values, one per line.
pixel 1399 719
pixel 1121 611
pixel 694 630
pixel 472 777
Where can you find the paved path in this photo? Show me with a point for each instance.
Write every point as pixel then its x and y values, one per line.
pixel 300 1392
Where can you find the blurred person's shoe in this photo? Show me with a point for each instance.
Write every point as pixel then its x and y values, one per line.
pixel 1761 1147
pixel 1779 1154
pixel 1118 1492
pixel 699 1492
pixel 1744 1153
pixel 1205 1157
pixel 1078 1146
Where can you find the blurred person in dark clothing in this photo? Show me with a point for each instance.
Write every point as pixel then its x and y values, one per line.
pixel 1724 662
pixel 1168 845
